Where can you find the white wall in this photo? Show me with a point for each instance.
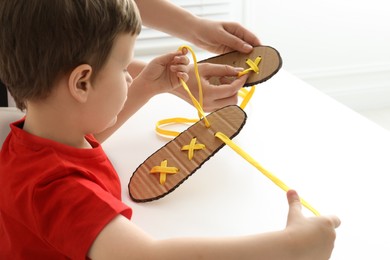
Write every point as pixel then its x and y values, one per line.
pixel 342 47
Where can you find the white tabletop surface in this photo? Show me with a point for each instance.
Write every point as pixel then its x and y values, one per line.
pixel 336 159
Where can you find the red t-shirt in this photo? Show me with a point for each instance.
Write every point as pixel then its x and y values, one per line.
pixel 54 199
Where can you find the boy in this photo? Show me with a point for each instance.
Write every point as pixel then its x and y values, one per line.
pixel 66 63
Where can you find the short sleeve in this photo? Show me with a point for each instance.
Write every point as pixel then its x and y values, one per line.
pixel 69 213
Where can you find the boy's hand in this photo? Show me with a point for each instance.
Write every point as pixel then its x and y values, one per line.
pixel 313 237
pixel 162 73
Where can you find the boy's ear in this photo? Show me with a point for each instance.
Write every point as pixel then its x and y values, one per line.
pixel 79 82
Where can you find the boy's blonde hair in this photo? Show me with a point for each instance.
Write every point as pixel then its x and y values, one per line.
pixel 41 40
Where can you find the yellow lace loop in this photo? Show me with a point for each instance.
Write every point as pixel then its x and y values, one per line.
pixel 171 121
pixel 163 170
pixel 253 66
pixel 192 147
pixel 198 105
pixel 269 175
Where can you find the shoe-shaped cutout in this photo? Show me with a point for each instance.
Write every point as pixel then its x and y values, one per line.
pixel 270 63
pixel 145 186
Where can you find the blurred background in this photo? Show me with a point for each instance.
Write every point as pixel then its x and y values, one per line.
pixel 342 48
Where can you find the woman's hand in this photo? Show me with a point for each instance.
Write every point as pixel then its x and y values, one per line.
pixel 220 85
pixel 221 37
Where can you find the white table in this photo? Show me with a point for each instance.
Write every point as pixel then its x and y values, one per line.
pixel 336 159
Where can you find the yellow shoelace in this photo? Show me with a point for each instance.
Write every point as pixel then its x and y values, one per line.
pixel 163 169
pixel 258 166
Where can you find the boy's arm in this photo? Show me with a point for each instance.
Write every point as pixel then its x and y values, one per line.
pixel 303 238
pixel 121 239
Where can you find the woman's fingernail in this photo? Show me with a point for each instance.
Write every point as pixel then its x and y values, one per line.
pixel 238 69
pixel 247 47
